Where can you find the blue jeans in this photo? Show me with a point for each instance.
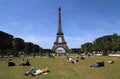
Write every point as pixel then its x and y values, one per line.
pixel 32 70
pixel 94 65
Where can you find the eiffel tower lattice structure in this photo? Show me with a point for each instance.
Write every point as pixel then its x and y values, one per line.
pixel 60 34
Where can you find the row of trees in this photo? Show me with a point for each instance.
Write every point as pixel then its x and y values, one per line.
pixel 16 46
pixel 105 44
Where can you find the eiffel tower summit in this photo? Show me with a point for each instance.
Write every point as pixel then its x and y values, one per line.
pixel 60 36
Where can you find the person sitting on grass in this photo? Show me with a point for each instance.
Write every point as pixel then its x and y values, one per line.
pixel 97 64
pixel 11 63
pixel 34 72
pixel 22 63
pixel 27 63
pixel 81 57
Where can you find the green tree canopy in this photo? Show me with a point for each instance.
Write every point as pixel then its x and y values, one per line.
pixel 5 42
pixel 29 48
pixel 87 47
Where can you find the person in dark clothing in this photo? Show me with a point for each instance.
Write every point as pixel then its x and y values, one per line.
pixel 97 64
pixel 11 63
pixel 81 57
pixel 101 64
pixel 27 63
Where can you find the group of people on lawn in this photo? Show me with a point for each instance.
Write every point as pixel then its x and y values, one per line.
pixel 23 63
pixel 97 64
pixel 71 60
pixel 31 71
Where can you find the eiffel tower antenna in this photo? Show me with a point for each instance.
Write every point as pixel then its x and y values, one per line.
pixel 59 22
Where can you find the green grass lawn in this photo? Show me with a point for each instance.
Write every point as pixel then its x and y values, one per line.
pixel 60 68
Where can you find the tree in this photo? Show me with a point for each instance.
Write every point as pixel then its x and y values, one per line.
pixel 75 50
pixel 29 48
pixel 41 51
pixel 87 47
pixel 115 42
pixel 18 45
pixel 107 43
pixel 47 51
pixel 5 42
pixel 36 49
pixel 98 44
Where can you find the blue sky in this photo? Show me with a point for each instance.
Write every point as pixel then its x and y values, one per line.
pixel 82 20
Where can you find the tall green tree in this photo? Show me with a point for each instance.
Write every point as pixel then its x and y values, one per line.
pixel 29 48
pixel 18 45
pixel 5 42
pixel 107 43
pixel 87 47
pixel 36 49
pixel 98 44
pixel 40 51
pixel 115 42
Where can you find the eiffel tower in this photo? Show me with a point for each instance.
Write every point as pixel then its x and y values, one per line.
pixel 60 34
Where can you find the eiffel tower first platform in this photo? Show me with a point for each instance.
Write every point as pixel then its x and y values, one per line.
pixel 59 35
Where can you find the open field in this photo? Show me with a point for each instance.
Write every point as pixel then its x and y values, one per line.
pixel 60 68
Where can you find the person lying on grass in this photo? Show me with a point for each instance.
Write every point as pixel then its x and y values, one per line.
pixel 72 60
pixel 97 64
pixel 110 61
pixel 34 72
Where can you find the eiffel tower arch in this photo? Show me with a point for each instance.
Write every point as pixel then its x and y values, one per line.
pixel 60 35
